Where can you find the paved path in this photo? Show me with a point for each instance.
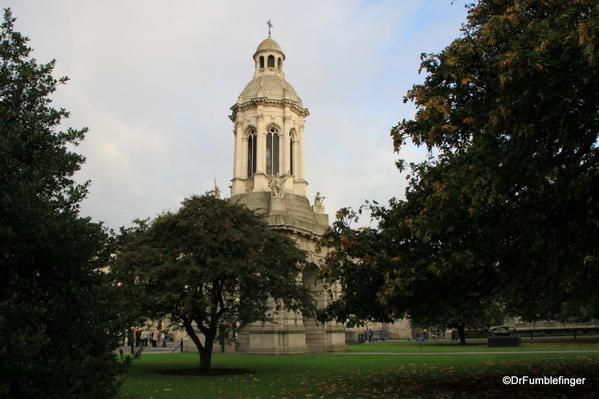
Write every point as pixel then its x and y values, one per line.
pixel 150 349
pixel 466 353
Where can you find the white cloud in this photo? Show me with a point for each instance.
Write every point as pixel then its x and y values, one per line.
pixel 154 81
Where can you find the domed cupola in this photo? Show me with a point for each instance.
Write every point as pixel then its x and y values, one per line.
pixel 270 45
pixel 269 58
pixel 270 87
pixel 268 83
pixel 269 79
pixel 269 129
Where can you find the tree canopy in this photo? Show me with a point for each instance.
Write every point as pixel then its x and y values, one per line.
pixel 58 322
pixel 212 266
pixel 510 110
pixel 386 273
pixel 506 210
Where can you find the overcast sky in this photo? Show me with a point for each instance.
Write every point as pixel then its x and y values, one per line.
pixel 154 80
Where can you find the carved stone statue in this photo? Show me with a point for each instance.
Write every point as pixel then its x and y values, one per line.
pixel 502 331
pixel 277 186
pixel 318 203
pixel 216 190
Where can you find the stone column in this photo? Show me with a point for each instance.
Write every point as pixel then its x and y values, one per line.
pixel 300 153
pixel 238 155
pixel 237 186
pixel 283 142
pixel 260 144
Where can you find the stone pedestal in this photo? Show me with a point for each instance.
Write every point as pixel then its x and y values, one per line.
pixel 277 205
pixel 272 339
pixel 292 333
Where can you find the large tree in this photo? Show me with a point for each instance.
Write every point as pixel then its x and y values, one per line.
pixel 387 273
pixel 58 324
pixel 504 215
pixel 511 111
pixel 212 266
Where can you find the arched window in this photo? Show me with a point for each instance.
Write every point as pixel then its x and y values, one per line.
pixel 271 61
pixel 291 153
pixel 272 151
pixel 251 152
pixel 261 61
pixel 280 63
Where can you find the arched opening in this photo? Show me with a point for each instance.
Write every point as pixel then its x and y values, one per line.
pixel 280 65
pixel 291 153
pixel 272 151
pixel 261 61
pixel 251 152
pixel 314 332
pixel 271 61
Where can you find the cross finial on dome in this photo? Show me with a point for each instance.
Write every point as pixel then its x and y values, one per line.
pixel 269 26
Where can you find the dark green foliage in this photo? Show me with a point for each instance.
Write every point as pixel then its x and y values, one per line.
pixel 212 265
pixel 512 111
pixel 358 264
pixel 57 329
pixel 504 217
pixel 387 273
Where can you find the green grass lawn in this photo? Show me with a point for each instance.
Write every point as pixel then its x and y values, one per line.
pixel 477 345
pixel 366 376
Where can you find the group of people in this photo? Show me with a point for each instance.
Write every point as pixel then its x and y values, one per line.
pixel 147 337
pixel 373 336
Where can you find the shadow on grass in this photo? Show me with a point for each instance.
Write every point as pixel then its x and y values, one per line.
pixel 491 386
pixel 203 373
pixel 484 383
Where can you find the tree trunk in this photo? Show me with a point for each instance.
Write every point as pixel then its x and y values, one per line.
pixel 205 350
pixel 222 337
pixel 205 359
pixel 462 334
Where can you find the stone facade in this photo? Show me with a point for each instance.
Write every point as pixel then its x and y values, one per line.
pixel 268 176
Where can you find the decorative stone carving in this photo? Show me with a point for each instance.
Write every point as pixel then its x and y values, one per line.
pixel 216 190
pixel 502 331
pixel 318 203
pixel 277 186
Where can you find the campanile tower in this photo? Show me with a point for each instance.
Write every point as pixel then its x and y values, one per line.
pixel 268 176
pixel 269 128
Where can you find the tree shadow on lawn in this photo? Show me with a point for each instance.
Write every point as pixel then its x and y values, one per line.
pixel 203 373
pixel 450 383
pixel 492 386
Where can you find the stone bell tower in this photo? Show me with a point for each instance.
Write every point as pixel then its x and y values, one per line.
pixel 268 176
pixel 269 128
